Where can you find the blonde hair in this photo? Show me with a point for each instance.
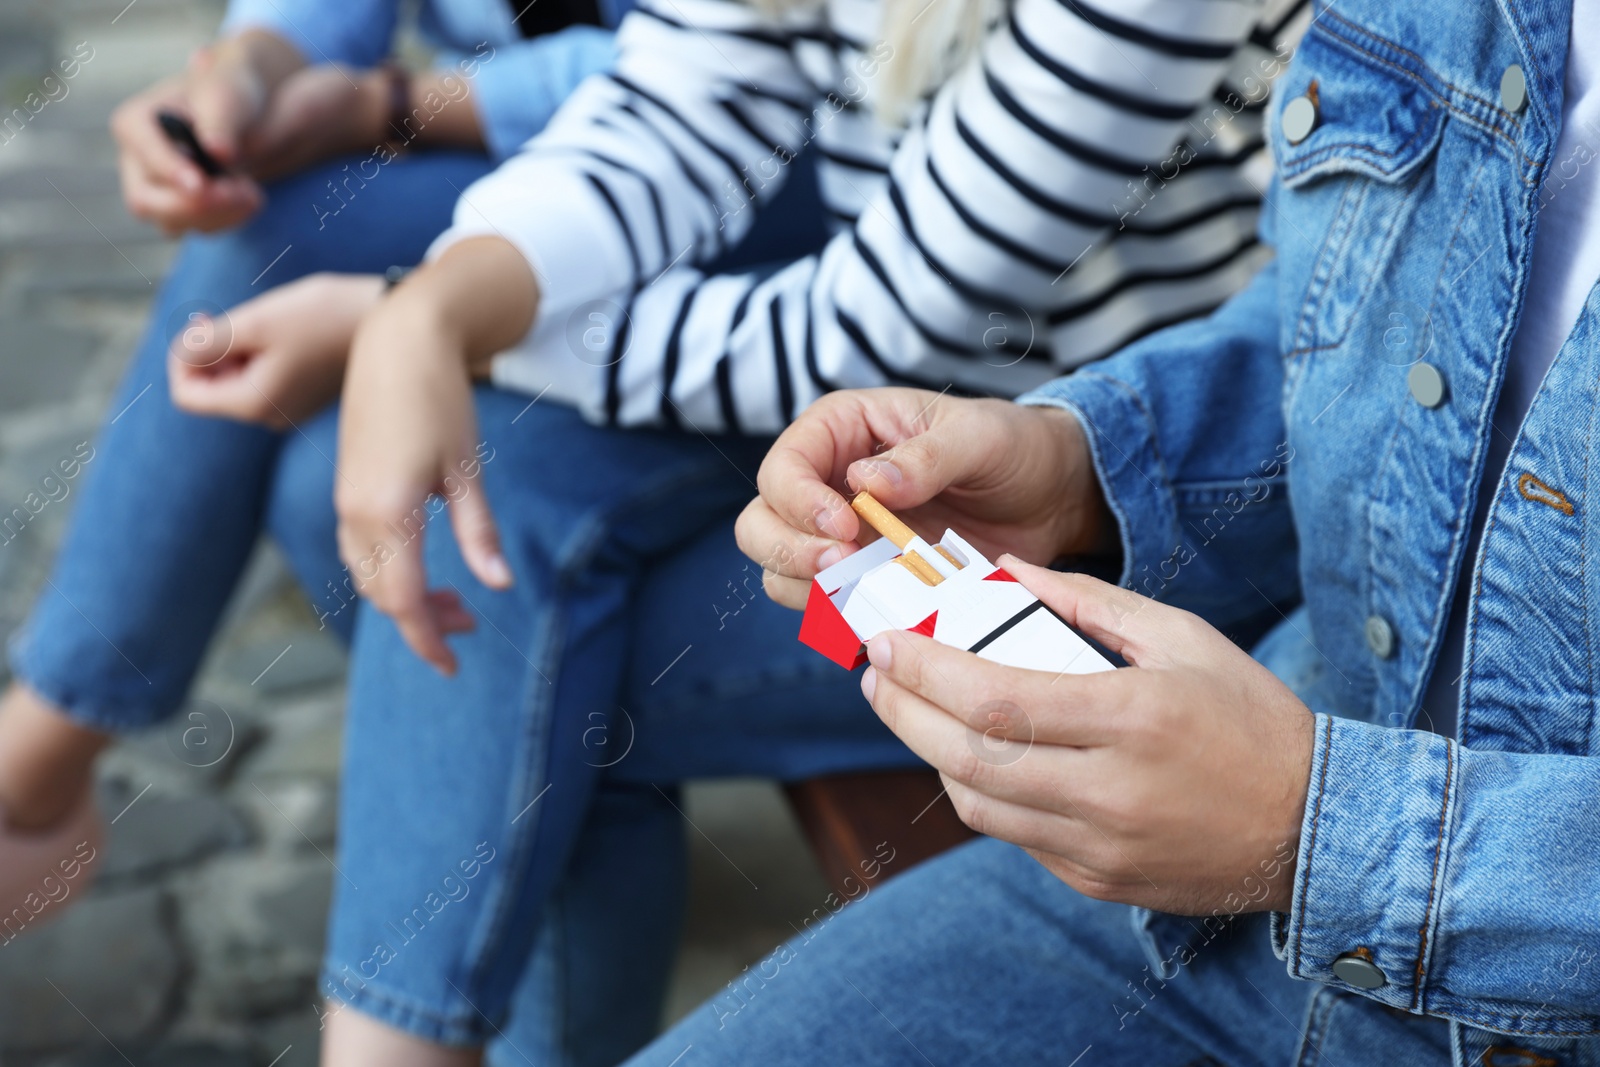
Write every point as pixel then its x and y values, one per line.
pixel 928 41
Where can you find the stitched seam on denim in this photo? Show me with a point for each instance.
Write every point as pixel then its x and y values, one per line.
pixel 1462 533
pixel 1150 425
pixel 602 521
pixel 1392 443
pixel 484 952
pixel 1326 1000
pixel 405 1007
pixel 521 846
pixel 1493 129
pixel 1201 494
pixel 1433 879
pixel 1522 31
pixel 1583 568
pixel 1097 460
pixel 1331 252
pixel 1311 846
pixel 1386 240
pixel 1307 350
pixel 1324 152
pixel 1464 709
pixel 1488 106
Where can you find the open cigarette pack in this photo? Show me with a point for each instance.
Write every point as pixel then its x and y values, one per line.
pixel 968 603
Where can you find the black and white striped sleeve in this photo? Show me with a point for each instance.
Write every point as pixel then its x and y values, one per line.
pixel 1010 194
pixel 661 161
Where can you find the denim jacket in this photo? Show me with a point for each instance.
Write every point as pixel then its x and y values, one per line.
pixel 1276 453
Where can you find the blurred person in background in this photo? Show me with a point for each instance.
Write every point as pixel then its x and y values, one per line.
pixel 579 381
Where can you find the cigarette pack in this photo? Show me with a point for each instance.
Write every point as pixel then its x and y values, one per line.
pixel 976 606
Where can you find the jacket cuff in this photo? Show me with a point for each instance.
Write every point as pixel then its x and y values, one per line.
pixel 321 33
pixel 1122 445
pixel 1373 849
pixel 520 86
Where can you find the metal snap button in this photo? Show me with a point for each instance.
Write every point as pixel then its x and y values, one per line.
pixel 1514 89
pixel 1380 636
pixel 1299 119
pixel 1426 383
pixel 1359 971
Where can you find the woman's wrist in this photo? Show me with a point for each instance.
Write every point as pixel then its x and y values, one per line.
pixel 1086 525
pixel 388 102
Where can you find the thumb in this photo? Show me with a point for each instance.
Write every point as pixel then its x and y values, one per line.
pixel 913 472
pixel 1138 629
pixel 477 536
pixel 204 340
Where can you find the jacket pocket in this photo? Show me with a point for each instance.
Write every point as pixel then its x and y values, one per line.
pixel 1352 182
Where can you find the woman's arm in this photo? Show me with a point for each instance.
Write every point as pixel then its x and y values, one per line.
pixel 1015 176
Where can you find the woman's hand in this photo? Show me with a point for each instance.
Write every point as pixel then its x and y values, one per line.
pixel 408 431
pixel 224 93
pixel 276 359
pixel 1007 477
pixel 1178 783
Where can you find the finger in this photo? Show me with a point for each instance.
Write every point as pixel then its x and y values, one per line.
pixel 789 592
pixel 1029 827
pixel 911 473
pixel 223 391
pixel 204 341
pixel 476 534
pixel 781 549
pixel 1140 630
pixel 222 112
pixel 145 145
pixel 148 199
pixel 226 202
pixel 448 612
pixel 1020 772
pixel 999 701
pixel 791 482
pixel 394 583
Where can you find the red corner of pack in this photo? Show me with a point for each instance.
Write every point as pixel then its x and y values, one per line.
pixel 824 629
pixel 978 607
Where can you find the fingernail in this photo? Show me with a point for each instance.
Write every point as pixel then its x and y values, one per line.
pixel 880 651
pixel 499 572
pixel 869 682
pixel 823 517
pixel 832 555
pixel 878 468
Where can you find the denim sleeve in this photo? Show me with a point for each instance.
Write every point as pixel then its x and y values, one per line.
pixel 520 84
pixel 1188 440
pixel 1468 877
pixel 357 32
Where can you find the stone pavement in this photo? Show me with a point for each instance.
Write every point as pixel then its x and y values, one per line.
pixel 200 943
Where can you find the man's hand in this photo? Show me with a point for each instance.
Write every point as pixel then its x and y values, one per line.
pixel 408 430
pixel 1007 477
pixel 224 93
pixel 1178 783
pixel 274 360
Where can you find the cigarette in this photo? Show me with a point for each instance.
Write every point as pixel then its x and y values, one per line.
pixel 899 534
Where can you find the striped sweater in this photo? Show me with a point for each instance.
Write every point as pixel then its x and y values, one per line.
pixel 1091 173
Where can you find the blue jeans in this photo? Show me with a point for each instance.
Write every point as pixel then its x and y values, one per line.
pixel 634 650
pixel 981 956
pixel 172 505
